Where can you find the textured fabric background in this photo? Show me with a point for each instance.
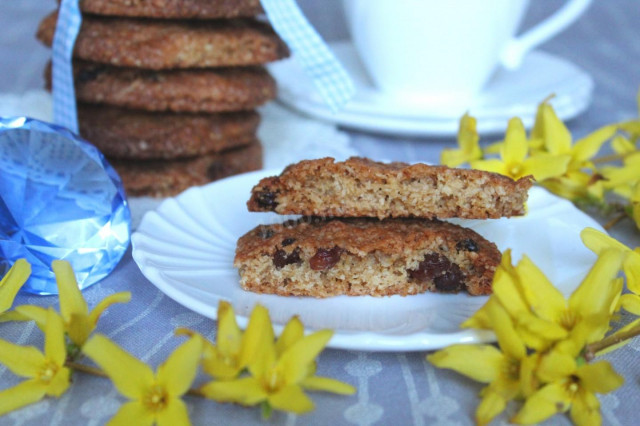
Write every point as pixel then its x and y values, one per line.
pixel 394 388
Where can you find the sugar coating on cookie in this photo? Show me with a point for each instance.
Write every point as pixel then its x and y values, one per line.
pixel 361 187
pixel 161 44
pixel 363 256
pixel 193 9
pixel 197 90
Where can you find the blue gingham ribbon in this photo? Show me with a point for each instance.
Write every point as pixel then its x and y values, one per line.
pixel 64 99
pixel 331 79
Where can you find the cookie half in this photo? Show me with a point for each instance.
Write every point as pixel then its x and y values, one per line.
pixel 161 44
pixel 180 9
pixel 133 134
pixel 210 90
pixel 361 187
pixel 165 178
pixel 321 258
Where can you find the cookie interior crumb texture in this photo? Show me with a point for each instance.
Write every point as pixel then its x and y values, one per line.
pixel 361 187
pixel 358 256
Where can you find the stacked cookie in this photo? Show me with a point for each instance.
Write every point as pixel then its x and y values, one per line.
pixel 372 228
pixel 168 90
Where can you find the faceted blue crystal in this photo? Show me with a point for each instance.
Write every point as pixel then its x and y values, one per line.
pixel 59 199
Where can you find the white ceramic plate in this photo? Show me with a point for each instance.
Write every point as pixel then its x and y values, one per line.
pixel 508 94
pixel 186 248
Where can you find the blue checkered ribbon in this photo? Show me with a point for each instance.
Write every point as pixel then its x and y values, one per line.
pixel 64 99
pixel 331 79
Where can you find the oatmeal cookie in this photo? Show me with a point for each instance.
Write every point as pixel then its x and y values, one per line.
pixel 173 9
pixel 209 90
pixel 157 45
pixel 133 134
pixel 361 187
pixel 365 256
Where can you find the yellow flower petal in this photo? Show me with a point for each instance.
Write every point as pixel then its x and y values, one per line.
pixel 491 165
pixel 229 337
pixel 587 147
pixel 482 363
pixel 479 320
pixel 528 380
pixel 33 313
pixel 129 375
pixel 598 242
pixel 585 410
pixel 246 391
pixel 469 149
pixel 12 282
pixel 593 295
pixel 557 137
pixel 546 402
pixel 631 268
pixel 179 370
pixel 291 399
pixel 508 339
pixel 23 361
pixel 60 382
pixel 79 328
pixel 544 299
pixel 96 312
pixel 295 361
pixel 631 303
pixel 175 414
pixel 544 166
pixel 132 413
pixel 258 339
pixel 293 331
pixel 599 377
pixel 556 365
pixel 490 406
pixel 71 300
pixel 54 345
pixel 328 385
pixel 515 147
pixel 21 395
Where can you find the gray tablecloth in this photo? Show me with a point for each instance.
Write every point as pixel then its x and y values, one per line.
pixel 393 388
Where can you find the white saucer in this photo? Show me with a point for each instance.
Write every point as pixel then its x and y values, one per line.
pixel 508 94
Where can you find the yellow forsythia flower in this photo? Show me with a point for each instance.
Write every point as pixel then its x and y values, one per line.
pixel 46 372
pixel 515 162
pixel 154 397
pixel 569 387
pixel 279 371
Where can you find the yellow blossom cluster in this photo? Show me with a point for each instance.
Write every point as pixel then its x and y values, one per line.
pixel 248 368
pixel 566 167
pixel 546 342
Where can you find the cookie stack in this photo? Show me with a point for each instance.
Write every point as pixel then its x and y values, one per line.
pixel 372 228
pixel 168 90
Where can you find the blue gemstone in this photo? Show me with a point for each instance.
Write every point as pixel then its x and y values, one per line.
pixel 59 199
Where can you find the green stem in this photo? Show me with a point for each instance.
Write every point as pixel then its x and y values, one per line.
pixel 592 349
pixel 85 369
pixel 614 221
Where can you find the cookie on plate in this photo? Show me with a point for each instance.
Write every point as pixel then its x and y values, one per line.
pixel 160 44
pixel 174 9
pixel 361 256
pixel 361 187
pixel 208 90
pixel 134 134
pixel 165 178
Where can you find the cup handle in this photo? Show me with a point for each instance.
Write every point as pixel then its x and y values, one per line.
pixel 513 54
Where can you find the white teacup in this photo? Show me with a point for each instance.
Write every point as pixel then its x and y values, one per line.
pixel 445 51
